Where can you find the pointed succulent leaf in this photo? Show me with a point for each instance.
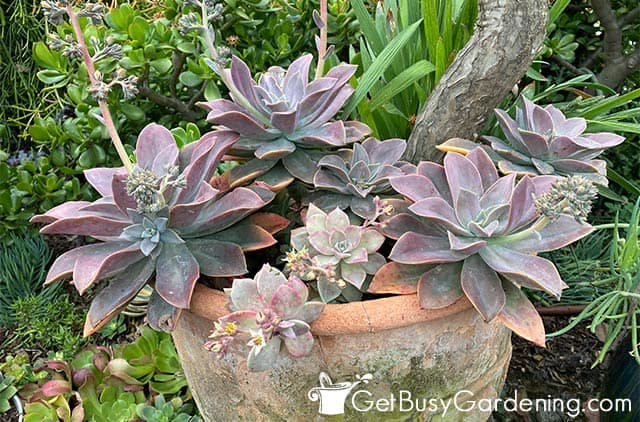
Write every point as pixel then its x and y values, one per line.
pixel 482 286
pixel 218 258
pixel 397 278
pixel 440 286
pixel 519 315
pixel 177 272
pixel 244 295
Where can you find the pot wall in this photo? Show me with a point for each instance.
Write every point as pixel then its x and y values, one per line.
pixel 432 359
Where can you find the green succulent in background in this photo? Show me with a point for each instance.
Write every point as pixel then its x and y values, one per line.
pixel 24 260
pixel 29 185
pixel 113 384
pixel 7 391
pixel 166 411
pixel 154 360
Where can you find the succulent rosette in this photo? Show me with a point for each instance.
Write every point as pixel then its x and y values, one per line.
pixel 337 255
pixel 284 118
pixel 468 232
pixel 354 179
pixel 162 222
pixel 542 141
pixel 268 311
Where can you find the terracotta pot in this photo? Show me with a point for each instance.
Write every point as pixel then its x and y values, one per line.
pixel 427 354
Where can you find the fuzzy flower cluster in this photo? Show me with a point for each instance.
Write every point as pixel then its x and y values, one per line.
pixel 100 90
pixel 571 195
pixel 55 11
pixel 147 188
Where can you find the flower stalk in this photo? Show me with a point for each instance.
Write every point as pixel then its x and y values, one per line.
pixel 102 104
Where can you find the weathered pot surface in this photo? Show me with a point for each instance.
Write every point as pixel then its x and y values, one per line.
pixel 421 355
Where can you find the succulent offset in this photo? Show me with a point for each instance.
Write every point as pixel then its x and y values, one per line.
pixel 266 312
pixel 285 117
pixel 335 254
pixel 543 141
pixel 471 233
pixel 163 219
pixel 353 180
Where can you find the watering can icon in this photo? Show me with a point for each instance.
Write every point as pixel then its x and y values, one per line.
pixel 333 396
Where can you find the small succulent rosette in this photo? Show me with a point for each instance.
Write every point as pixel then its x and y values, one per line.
pixel 336 255
pixel 268 311
pixel 354 179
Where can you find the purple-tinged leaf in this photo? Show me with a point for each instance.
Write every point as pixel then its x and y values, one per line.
pixel 89 225
pixel 248 236
pixel 467 207
pixel 120 195
pixel 499 193
pixel 63 265
pixel 469 245
pixel 414 187
pixel 177 272
pixel 536 143
pixel 244 295
pixel 104 260
pixel 527 270
pixel 300 165
pixel 273 150
pixel 64 210
pixel 217 258
pixel 555 235
pixel 54 388
pixel 400 224
pixel 397 278
pixel 161 315
pixel 110 300
pixel 461 174
pixel 100 178
pixel 152 141
pixel 269 279
pixel 440 286
pixel 521 316
pixel 285 301
pixel 488 173
pixel 300 346
pixel 440 212
pixel 482 286
pixel 523 210
pixel 413 248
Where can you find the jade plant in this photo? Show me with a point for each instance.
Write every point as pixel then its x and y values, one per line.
pixel 284 118
pixel 353 180
pixel 468 232
pixel 337 256
pixel 161 218
pixel 268 311
pixel 542 141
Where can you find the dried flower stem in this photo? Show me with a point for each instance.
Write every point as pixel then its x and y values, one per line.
pixel 322 48
pixel 104 108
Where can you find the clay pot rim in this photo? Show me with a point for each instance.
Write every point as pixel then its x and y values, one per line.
pixel 348 318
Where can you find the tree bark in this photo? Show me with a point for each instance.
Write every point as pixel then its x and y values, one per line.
pixel 507 36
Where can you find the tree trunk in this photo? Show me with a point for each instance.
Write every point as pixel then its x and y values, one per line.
pixel 507 36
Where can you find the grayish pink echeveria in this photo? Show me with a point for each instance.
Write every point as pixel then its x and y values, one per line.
pixel 164 219
pixel 471 233
pixel 354 179
pixel 267 311
pixel 342 254
pixel 542 141
pixel 284 116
